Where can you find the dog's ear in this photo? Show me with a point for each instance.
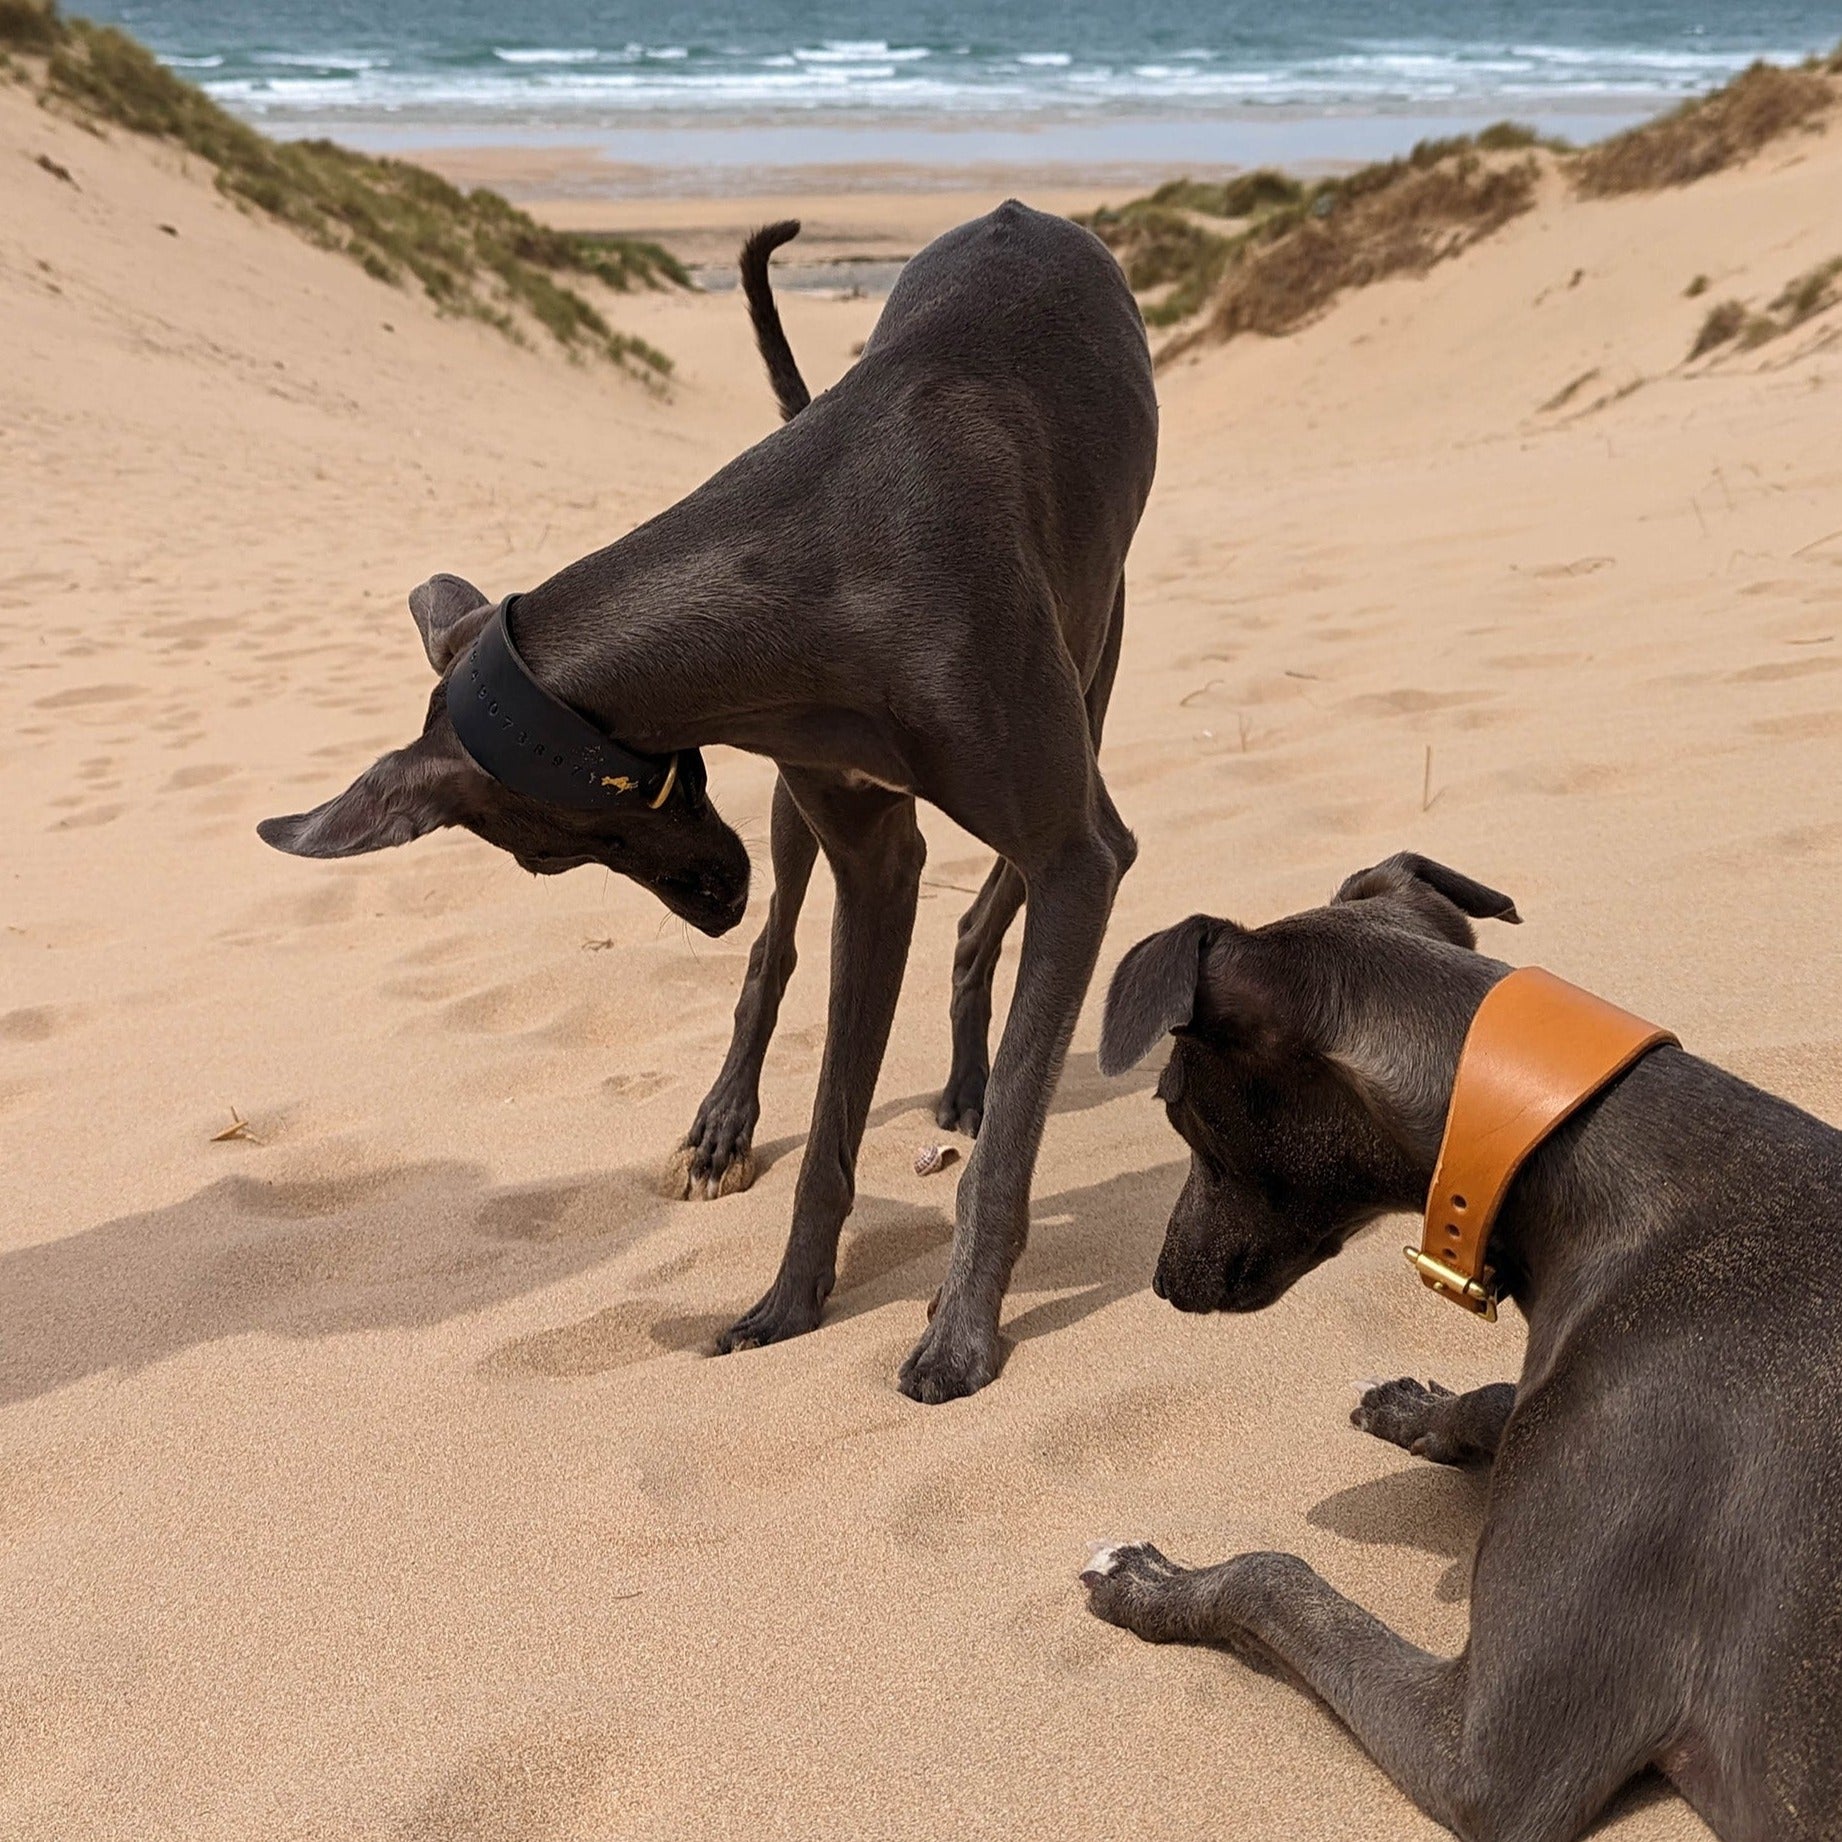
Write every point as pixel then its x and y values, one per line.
pixel 1153 992
pixel 1438 895
pixel 448 611
pixel 398 798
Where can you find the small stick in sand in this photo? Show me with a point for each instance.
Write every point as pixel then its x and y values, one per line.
pixel 1426 780
pixel 238 1128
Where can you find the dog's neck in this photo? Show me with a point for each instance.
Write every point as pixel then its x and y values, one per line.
pixel 1654 1157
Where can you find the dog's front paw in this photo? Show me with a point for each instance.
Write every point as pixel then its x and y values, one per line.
pixel 790 1309
pixel 1409 1414
pixel 716 1159
pixel 950 1362
pixel 1135 1587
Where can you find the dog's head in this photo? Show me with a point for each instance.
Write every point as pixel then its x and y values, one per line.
pixel 683 852
pixel 1311 1071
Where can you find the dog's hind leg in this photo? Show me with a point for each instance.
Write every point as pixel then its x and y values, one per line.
pixel 1521 1740
pixel 983 926
pixel 717 1156
pixel 1070 898
pixel 1434 1423
pixel 975 961
pixel 874 847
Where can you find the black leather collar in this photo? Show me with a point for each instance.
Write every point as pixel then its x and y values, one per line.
pixel 536 745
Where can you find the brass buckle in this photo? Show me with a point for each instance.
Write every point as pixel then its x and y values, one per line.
pixel 1478 1296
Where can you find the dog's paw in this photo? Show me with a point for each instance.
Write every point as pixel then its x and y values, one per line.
pixel 790 1309
pixel 1406 1413
pixel 949 1363
pixel 696 1173
pixel 961 1107
pixel 1135 1587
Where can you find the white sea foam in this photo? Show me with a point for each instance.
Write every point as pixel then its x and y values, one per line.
pixel 572 82
pixel 508 55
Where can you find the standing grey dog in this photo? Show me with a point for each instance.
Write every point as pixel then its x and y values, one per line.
pixel 1659 1578
pixel 915 589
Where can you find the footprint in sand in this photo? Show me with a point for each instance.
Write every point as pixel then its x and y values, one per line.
pixel 86 818
pixel 1783 669
pixel 37 1023
pixel 85 695
pixel 616 1337
pixel 541 1780
pixel 1535 661
pixel 20 1096
pixel 1410 701
pixel 1807 726
pixel 1120 1434
pixel 206 774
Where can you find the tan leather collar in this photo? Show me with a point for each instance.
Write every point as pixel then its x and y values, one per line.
pixel 1537 1050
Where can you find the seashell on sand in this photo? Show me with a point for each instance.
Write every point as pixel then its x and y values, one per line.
pixel 931 1158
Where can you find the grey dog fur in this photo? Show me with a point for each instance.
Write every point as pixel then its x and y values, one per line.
pixel 1657 1580
pixel 913 589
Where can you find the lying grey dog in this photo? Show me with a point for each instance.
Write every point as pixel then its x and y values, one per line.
pixel 914 589
pixel 1659 1578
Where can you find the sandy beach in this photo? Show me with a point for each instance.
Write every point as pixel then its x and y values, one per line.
pixel 364 1472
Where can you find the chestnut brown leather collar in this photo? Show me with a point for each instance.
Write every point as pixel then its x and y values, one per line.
pixel 1537 1050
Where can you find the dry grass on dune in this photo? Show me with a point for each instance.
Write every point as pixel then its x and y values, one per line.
pixel 1733 323
pixel 1299 245
pixel 473 253
pixel 1402 222
pixel 1295 247
pixel 1709 133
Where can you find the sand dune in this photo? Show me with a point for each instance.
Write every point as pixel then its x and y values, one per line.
pixel 363 1475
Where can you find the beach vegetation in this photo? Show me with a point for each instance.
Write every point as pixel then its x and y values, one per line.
pixel 1733 323
pixel 1266 253
pixel 1708 133
pixel 472 253
pixel 1721 327
pixel 1299 244
pixel 1247 195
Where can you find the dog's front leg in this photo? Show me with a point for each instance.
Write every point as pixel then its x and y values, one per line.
pixel 1069 900
pixel 1523 1738
pixel 717 1156
pixel 1404 1705
pixel 874 847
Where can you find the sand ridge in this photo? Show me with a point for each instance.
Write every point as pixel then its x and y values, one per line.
pixel 364 1475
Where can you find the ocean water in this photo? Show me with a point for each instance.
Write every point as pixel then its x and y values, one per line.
pixel 752 94
pixel 493 67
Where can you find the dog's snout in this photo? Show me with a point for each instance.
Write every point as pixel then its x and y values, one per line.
pixel 1157 1282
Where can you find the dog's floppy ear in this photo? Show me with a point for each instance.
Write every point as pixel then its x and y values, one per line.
pixel 1153 992
pixel 1435 892
pixel 448 611
pixel 399 797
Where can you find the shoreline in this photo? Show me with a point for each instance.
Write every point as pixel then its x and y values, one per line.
pixel 674 158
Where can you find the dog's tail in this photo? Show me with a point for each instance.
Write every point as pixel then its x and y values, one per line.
pixel 783 372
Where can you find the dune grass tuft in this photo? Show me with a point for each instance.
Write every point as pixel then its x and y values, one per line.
pixel 1707 134
pixel 1802 298
pixel 1300 245
pixel 28 26
pixel 1265 253
pixel 472 253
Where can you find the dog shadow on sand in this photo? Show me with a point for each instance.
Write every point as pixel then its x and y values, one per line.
pixel 419 1243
